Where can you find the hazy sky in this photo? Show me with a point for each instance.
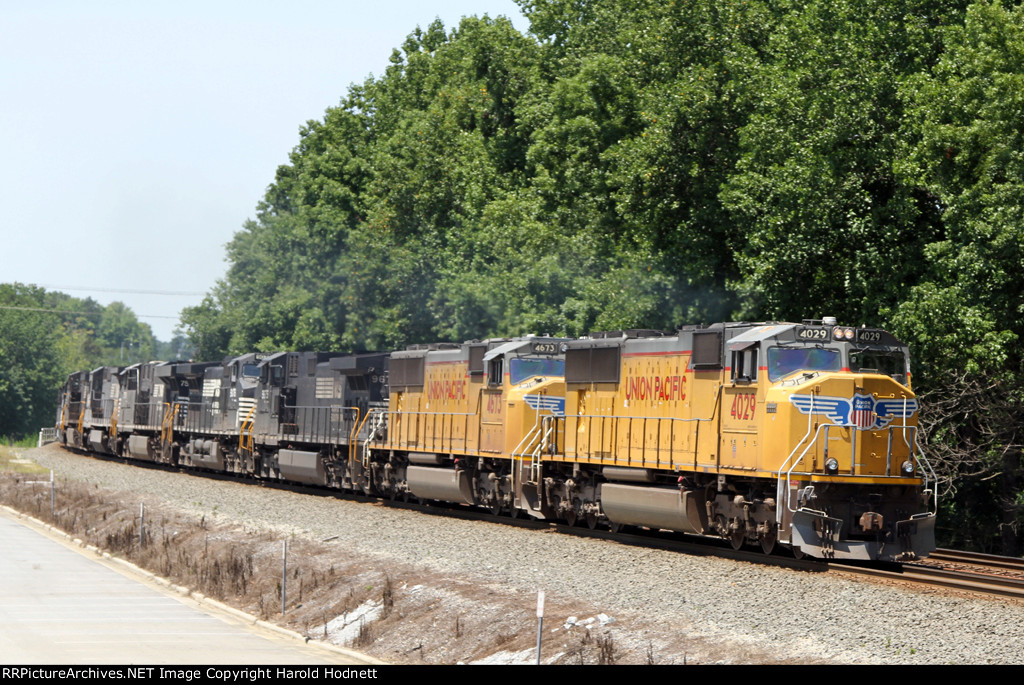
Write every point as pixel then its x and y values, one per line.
pixel 137 137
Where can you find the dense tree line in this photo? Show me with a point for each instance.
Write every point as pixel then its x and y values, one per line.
pixel 44 336
pixel 644 163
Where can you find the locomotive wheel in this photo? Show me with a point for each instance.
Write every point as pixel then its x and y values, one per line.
pixel 570 517
pixel 495 506
pixel 591 521
pixel 768 542
pixel 737 538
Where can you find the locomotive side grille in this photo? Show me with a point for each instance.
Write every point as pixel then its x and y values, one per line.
pixel 211 387
pixel 324 388
pixel 245 405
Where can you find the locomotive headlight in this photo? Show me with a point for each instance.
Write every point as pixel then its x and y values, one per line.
pixel 848 333
pixel 842 333
pixel 907 467
pixel 831 465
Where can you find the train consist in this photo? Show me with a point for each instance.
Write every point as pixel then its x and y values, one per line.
pixel 773 434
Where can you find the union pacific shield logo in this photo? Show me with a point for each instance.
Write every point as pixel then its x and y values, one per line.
pixel 862 412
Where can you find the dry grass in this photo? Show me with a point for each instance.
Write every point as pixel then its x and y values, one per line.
pixel 421 616
pixel 11 461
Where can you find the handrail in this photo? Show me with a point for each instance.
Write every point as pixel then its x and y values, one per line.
pixel 785 483
pixel 247 423
pixel 434 413
pixel 357 429
pixel 616 418
pixel 318 422
pixel 919 452
pixel 167 425
pixel 548 426
pixel 534 428
pixel 439 441
pixel 113 417
pixel 47 434
pixel 789 472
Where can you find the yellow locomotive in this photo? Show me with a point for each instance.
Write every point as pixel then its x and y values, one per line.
pixel 468 423
pixel 799 434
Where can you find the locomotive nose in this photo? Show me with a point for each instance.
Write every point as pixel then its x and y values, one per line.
pixel 884 425
pixel 853 424
pixel 853 439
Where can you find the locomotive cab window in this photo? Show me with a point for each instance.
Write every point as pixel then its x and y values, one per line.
pixel 523 368
pixel 495 370
pixel 884 362
pixel 277 375
pixel 784 361
pixel 744 365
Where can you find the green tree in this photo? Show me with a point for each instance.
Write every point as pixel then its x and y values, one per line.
pixel 124 338
pixel 965 317
pixel 828 223
pixel 30 369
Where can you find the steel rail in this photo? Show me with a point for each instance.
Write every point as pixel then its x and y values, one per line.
pixel 914 573
pixel 978 559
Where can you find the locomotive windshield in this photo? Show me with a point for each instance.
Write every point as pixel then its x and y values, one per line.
pixel 783 361
pixel 522 368
pixel 885 362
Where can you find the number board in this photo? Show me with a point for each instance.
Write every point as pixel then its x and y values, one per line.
pixel 869 335
pixel 815 333
pixel 545 348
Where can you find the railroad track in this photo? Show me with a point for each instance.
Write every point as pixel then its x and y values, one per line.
pixel 639 537
pixel 978 573
pixel 978 559
pixel 965 571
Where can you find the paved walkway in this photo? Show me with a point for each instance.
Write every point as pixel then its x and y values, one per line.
pixel 60 604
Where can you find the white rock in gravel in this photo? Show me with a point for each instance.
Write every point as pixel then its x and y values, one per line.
pixel 344 629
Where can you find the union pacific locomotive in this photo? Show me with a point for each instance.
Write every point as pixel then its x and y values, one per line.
pixel 772 434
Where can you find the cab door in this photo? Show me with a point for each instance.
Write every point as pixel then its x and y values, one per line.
pixel 492 409
pixel 741 409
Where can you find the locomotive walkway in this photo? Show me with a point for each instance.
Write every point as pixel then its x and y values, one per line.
pixel 57 606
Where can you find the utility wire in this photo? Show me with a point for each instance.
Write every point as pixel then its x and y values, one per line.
pixel 65 311
pixel 123 291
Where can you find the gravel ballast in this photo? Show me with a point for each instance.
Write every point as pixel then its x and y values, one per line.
pixel 749 613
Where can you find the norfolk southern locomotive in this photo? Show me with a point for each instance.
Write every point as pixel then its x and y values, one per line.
pixel 797 435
